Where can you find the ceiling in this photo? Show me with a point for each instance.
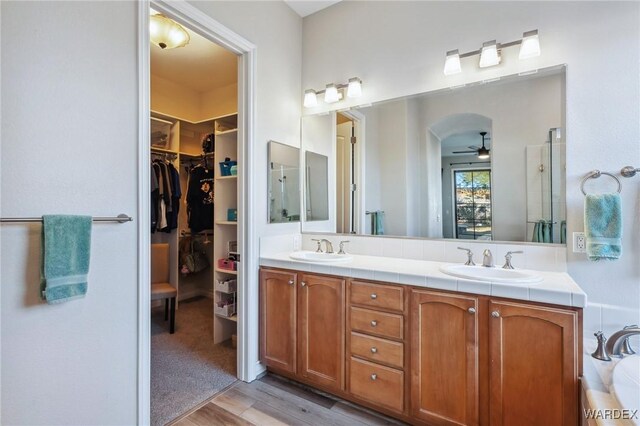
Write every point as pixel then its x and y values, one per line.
pixel 462 141
pixel 201 65
pixel 309 7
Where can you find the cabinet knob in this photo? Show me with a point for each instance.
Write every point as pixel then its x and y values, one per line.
pixel 374 323
pixel 290 282
pixel 471 310
pixel 303 284
pixel 374 296
pixel 495 314
pixel 374 350
pixel 374 376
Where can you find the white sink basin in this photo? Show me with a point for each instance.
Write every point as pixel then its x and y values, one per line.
pixel 496 275
pixel 312 256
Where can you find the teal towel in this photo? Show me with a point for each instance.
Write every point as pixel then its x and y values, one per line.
pixel 546 232
pixel 603 226
pixel 563 232
pixel 379 223
pixel 65 253
pixel 536 233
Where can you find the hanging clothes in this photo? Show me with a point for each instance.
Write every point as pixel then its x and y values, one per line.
pixel 165 196
pixel 200 199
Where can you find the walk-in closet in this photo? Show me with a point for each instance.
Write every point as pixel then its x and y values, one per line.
pixel 194 238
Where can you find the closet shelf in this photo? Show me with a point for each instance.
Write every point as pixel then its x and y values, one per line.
pixel 226 271
pixel 160 120
pixel 165 151
pixel 199 155
pixel 233 318
pixel 226 132
pixel 227 177
pixel 226 222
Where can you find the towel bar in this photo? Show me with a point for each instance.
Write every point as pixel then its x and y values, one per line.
pixel 595 174
pixel 121 218
pixel 629 171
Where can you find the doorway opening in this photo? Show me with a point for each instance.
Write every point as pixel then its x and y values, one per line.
pixel 349 172
pixel 195 107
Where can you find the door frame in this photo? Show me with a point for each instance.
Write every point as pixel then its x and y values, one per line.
pixel 198 21
pixel 359 123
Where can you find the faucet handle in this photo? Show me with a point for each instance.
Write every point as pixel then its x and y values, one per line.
pixel 601 350
pixel 469 256
pixel 342 243
pixel 507 259
pixel 319 247
pixel 626 346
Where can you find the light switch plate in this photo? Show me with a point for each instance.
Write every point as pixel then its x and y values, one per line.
pixel 579 242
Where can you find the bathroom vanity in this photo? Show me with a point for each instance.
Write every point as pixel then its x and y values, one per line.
pixel 418 348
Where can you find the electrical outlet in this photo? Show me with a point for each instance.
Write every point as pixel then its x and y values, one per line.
pixel 297 243
pixel 579 242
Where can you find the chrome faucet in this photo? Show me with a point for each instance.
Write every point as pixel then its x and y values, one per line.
pixel 319 245
pixel 342 243
pixel 507 259
pixel 328 245
pixel 617 340
pixel 469 261
pixel 487 260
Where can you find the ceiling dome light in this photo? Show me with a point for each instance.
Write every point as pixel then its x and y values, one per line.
pixel 167 33
pixel 354 89
pixel 452 63
pixel 489 55
pixel 530 47
pixel 331 94
pixel 310 98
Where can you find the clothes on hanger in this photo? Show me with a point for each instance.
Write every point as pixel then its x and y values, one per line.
pixel 165 196
pixel 200 198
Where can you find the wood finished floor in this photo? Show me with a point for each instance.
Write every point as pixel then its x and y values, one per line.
pixel 273 400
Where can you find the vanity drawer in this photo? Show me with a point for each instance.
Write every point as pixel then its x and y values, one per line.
pixel 376 383
pixel 376 322
pixel 377 295
pixel 377 350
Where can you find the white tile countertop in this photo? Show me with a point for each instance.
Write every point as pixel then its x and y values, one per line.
pixel 555 288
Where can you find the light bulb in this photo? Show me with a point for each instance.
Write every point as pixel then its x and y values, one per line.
pixel 452 63
pixel 530 47
pixel 489 55
pixel 310 98
pixel 354 89
pixel 331 94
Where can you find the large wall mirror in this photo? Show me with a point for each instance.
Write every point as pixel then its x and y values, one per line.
pixel 284 183
pixel 483 162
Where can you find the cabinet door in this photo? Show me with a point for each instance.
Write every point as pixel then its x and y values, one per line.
pixel 444 358
pixel 533 365
pixel 278 319
pixel 321 327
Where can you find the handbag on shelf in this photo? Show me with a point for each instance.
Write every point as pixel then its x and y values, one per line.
pixel 196 260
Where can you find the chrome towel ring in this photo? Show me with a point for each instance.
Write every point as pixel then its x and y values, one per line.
pixel 595 174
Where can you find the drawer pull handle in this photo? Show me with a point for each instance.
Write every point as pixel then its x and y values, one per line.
pixel 290 282
pixel 495 314
pixel 374 323
pixel 374 296
pixel 472 310
pixel 374 350
pixel 374 376
pixel 303 284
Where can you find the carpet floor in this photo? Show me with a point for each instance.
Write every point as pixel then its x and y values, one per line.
pixel 186 367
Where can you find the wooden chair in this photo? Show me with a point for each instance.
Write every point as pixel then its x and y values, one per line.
pixel 160 286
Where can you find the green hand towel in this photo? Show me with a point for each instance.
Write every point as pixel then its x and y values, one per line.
pixel 603 226
pixel 379 222
pixel 546 231
pixel 65 253
pixel 563 232
pixel 541 231
pixel 536 231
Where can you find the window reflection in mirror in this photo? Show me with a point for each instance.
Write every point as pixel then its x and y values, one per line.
pixel 480 162
pixel 284 183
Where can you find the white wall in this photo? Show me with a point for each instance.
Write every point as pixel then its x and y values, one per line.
pixel 398 48
pixel 69 143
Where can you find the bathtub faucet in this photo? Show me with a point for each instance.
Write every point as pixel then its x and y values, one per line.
pixel 618 339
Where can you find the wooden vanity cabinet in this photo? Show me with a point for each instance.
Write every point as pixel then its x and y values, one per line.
pixel 424 356
pixel 534 370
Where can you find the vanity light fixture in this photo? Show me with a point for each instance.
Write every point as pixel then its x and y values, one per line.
pixel 489 55
pixel 452 63
pixel 490 52
pixel 530 47
pixel 310 98
pixel 333 92
pixel 167 33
